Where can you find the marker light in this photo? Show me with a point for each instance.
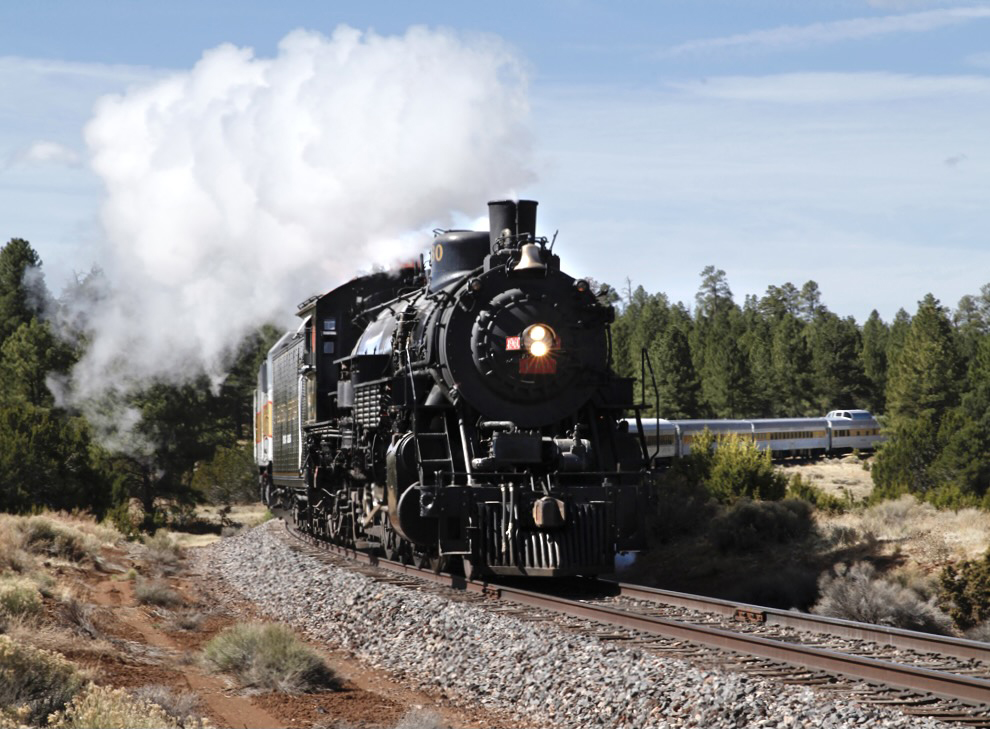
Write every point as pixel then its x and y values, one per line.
pixel 538 348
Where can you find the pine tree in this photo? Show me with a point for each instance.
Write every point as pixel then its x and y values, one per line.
pixel 923 387
pixel 676 379
pixel 896 336
pixel 836 369
pixel 791 368
pixel 873 357
pixel 926 377
pixel 22 288
pixel 810 301
pixel 27 358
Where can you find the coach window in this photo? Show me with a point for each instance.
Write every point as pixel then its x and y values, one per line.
pixel 330 325
pixel 328 348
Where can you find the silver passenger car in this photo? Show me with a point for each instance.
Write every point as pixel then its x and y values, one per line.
pixel 838 432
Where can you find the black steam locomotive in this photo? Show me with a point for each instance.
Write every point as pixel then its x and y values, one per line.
pixel 469 413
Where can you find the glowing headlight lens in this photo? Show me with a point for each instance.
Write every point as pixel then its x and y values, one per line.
pixel 538 349
pixel 537 333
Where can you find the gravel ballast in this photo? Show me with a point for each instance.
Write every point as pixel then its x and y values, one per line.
pixel 543 675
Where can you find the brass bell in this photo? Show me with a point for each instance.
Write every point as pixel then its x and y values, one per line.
pixel 530 259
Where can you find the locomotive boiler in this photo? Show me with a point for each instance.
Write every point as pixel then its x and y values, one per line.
pixel 464 415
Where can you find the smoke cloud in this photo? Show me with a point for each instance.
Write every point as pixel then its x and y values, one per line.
pixel 237 189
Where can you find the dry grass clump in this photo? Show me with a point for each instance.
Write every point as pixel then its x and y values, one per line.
pixel 899 519
pixel 270 657
pixel 59 536
pixel 45 536
pixel 918 531
pixel 76 615
pixel 188 620
pixel 34 683
pixel 103 707
pixel 162 553
pixel 858 593
pixel 182 706
pixel 13 556
pixel 156 592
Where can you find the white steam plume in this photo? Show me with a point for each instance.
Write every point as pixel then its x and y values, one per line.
pixel 242 186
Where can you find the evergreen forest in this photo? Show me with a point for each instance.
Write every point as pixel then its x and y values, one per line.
pixel 783 354
pixel 52 457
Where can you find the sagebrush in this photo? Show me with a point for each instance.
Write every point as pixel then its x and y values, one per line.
pixel 858 593
pixel 268 656
pixel 34 683
pixel 104 707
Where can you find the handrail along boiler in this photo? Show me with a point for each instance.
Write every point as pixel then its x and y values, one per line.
pixel 469 414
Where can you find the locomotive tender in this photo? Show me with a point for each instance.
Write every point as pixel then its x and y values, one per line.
pixel 467 413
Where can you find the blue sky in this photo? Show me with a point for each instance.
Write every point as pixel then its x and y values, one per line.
pixel 845 142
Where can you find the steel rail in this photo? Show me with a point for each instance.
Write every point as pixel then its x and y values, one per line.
pixel 960 687
pixel 880 634
pixel 947 685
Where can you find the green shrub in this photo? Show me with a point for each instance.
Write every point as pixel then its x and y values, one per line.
pixel 229 478
pixel 799 488
pixel 965 591
pixel 103 707
pixel 19 597
pixel 34 683
pixel 268 656
pixel 740 469
pixel 858 593
pixel 730 467
pixel 680 506
pixel 750 525
pixel 43 535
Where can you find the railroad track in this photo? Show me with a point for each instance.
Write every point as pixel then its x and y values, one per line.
pixel 918 674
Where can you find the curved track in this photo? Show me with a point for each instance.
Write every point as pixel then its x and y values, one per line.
pixel 927 675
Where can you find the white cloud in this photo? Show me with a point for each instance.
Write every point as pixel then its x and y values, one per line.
pixel 980 60
pixel 835 88
pixel 46 152
pixel 238 188
pixel 27 68
pixel 796 36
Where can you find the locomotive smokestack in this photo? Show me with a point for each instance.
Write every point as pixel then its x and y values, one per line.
pixel 516 216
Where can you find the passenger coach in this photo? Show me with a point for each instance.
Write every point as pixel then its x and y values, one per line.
pixel 840 431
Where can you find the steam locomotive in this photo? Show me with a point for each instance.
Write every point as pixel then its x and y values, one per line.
pixel 464 415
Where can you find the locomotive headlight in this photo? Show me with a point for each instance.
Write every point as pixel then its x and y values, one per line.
pixel 539 339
